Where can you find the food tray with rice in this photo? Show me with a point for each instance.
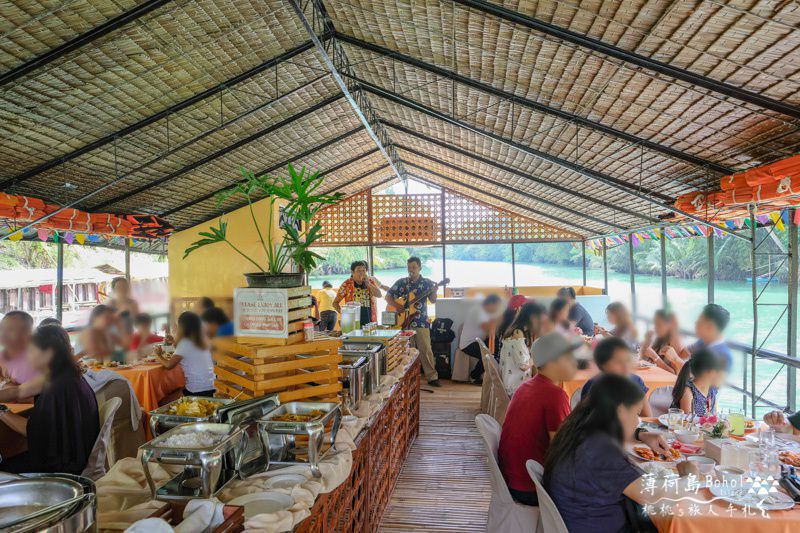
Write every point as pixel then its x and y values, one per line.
pixel 307 370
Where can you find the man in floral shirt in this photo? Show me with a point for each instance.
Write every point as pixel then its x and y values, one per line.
pixel 418 285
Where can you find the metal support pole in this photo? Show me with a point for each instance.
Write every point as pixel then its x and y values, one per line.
pixel 371 257
pixel 128 260
pixel 791 348
pixel 513 267
pixel 712 267
pixel 583 260
pixel 444 233
pixel 663 244
pixel 605 267
pixel 59 296
pixel 753 277
pixel 633 273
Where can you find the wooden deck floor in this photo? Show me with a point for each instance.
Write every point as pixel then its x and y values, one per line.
pixel 444 485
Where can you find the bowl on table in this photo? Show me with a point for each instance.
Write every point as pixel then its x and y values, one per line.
pixel 705 465
pixel 687 436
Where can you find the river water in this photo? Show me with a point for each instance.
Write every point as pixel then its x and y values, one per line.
pixel 687 297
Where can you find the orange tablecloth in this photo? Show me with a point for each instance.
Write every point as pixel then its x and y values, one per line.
pixel 727 519
pixel 653 377
pixel 152 383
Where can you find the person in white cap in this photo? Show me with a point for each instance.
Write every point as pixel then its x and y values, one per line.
pixel 536 411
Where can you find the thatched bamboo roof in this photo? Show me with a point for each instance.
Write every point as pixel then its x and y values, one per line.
pixel 590 114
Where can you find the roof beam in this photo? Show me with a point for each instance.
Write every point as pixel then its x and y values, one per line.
pixel 517 172
pixel 535 106
pixel 332 169
pixel 494 196
pixel 111 137
pixel 509 188
pixel 339 64
pixel 633 58
pixel 652 197
pixel 221 152
pixel 81 40
pixel 273 168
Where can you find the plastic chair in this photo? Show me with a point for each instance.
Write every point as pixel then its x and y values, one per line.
pixel 505 515
pixel 550 517
pixel 96 466
pixel 575 400
pixel 660 399
pixel 487 389
pixel 125 440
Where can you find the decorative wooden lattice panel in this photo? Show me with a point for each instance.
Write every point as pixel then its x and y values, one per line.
pixel 412 218
pixel 468 220
pixel 346 223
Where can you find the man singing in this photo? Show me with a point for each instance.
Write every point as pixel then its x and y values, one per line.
pixel 418 285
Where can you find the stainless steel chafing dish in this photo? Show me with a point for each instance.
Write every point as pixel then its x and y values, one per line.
pixel 354 379
pixel 206 469
pixel 52 503
pixel 161 420
pixel 376 354
pixel 282 436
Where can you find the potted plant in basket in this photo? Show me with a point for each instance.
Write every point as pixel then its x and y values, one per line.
pixel 299 234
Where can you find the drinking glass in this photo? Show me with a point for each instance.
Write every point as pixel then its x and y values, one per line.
pixel 736 420
pixel 766 438
pixel 674 416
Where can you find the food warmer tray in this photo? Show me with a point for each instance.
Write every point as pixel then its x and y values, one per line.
pixel 281 435
pixel 245 415
pixel 376 353
pixel 24 496
pixel 354 370
pixel 162 421
pixel 206 470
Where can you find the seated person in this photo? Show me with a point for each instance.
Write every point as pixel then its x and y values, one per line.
pixel 781 423
pixel 16 328
pixel 662 346
pixel 559 315
pixel 102 322
pixel 121 300
pixel 709 329
pixel 193 354
pixel 50 321
pixel 536 411
pixel 614 356
pixel 619 317
pixel 479 323
pixel 515 355
pixel 695 390
pixel 64 423
pixel 144 336
pixel 587 473
pixel 203 304
pixel 514 303
pixel 217 323
pixel 578 314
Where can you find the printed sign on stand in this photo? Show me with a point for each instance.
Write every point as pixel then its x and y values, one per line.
pixel 261 312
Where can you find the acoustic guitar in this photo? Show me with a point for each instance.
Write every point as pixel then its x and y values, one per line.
pixel 406 309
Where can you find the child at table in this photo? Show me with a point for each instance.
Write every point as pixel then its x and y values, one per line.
pixel 695 391
pixel 614 356
pixel 193 354
pixel 143 336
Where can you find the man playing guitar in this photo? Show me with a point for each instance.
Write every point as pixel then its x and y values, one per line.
pixel 417 285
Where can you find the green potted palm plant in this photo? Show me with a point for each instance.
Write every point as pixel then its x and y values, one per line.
pixel 300 204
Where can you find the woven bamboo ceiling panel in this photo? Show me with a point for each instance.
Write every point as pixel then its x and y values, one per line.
pixel 153 105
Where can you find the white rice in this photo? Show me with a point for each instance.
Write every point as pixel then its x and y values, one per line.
pixel 201 439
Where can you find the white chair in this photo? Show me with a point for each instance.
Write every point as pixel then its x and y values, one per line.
pixel 576 399
pixel 487 391
pixel 549 516
pixel 125 438
pixel 505 515
pixel 96 466
pixel 660 399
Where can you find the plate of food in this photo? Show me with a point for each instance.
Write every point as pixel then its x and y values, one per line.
pixel 745 496
pixel 790 458
pixel 664 419
pixel 644 453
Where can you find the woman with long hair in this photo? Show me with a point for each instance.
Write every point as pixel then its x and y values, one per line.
pixel 619 317
pixel 64 423
pixel 559 315
pixel 662 345
pixel 193 354
pixel 587 472
pixel 515 354
pixel 695 390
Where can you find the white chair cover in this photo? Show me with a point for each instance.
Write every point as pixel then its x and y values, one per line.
pixel 96 466
pixel 127 432
pixel 505 515
pixel 486 387
pixel 660 400
pixel 576 399
pixel 549 516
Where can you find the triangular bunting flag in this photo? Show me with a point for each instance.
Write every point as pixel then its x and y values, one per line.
pixel 81 238
pixel 42 234
pixel 776 219
pixel 16 236
pixel 69 237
